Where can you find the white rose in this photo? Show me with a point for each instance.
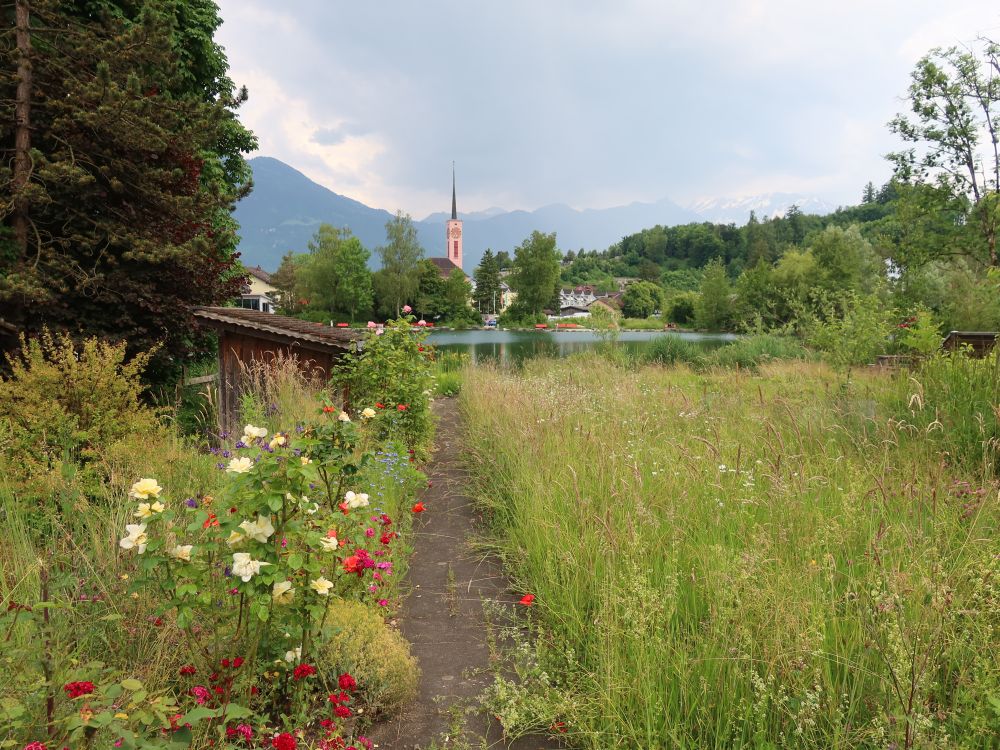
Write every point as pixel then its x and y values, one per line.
pixel 181 552
pixel 239 465
pixel 135 537
pixel 321 586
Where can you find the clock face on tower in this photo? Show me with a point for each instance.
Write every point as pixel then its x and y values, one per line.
pixel 456 232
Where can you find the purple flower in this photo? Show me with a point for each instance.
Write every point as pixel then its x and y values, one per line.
pixel 220 466
pixel 228 572
pixel 240 444
pixel 227 454
pixel 191 502
pixel 223 434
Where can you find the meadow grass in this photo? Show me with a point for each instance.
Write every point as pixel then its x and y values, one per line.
pixel 723 559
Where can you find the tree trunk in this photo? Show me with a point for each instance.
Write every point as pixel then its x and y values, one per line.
pixel 22 127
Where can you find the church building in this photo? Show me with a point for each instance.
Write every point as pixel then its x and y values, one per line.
pixel 453 239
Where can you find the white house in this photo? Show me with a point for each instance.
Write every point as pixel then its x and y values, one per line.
pixel 259 293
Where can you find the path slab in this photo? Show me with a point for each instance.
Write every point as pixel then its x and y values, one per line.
pixel 442 617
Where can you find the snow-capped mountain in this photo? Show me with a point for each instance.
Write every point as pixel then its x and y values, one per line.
pixel 736 209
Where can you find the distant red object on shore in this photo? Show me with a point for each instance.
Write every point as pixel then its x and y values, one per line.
pixel 343 325
pixel 541 325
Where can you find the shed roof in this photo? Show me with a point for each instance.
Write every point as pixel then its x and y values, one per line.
pixel 277 327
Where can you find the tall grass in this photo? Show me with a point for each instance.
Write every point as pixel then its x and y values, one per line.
pixel 729 561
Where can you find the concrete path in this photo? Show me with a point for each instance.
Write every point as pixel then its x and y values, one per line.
pixel 443 616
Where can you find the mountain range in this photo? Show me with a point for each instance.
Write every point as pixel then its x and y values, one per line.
pixel 286 208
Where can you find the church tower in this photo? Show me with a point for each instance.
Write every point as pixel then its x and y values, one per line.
pixel 453 229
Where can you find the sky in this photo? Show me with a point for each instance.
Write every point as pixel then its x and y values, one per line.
pixel 590 103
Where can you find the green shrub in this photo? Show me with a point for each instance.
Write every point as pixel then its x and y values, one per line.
pixel 392 374
pixel 378 657
pixel 670 349
pixel 64 405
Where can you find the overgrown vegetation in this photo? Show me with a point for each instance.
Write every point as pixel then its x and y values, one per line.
pixel 184 597
pixel 770 561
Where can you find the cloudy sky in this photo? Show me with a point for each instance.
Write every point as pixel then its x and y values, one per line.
pixel 592 103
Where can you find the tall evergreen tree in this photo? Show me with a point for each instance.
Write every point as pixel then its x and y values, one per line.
pixel 487 276
pixel 122 221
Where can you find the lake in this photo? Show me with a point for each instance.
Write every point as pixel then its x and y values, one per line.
pixel 515 346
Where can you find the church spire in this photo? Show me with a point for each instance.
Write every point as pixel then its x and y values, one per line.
pixel 454 205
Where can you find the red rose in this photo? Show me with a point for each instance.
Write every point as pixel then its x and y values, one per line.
pixel 352 564
pixel 346 682
pixel 76 689
pixel 187 670
pixel 284 741
pixel 303 670
pixel 237 662
pixel 225 663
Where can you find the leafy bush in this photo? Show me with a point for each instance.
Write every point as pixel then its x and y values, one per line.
pixel 361 643
pixel 392 374
pixel 854 334
pixel 64 404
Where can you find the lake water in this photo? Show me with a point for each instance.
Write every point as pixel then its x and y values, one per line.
pixel 515 346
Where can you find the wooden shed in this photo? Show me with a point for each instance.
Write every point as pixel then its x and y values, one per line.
pixel 981 341
pixel 250 335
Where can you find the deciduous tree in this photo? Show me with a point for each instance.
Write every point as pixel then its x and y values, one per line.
pixel 397 281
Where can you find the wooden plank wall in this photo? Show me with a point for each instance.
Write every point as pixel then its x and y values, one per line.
pixel 236 349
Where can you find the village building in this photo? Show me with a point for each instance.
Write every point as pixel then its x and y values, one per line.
pixel 259 293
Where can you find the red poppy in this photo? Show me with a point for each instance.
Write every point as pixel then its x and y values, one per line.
pixel 559 726
pixel 328 410
pixel 527 600
pixel 418 508
pixel 344 508
pixel 379 405
pixel 210 521
pixel 401 407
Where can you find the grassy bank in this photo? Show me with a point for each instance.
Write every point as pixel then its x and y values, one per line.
pixel 726 560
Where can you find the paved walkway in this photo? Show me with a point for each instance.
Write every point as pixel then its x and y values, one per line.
pixel 443 615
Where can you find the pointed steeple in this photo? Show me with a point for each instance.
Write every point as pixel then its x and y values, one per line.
pixel 454 204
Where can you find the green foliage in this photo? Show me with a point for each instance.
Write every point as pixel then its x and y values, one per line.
pixel 535 277
pixel 136 159
pixel 641 299
pixel 921 335
pixel 680 309
pixel 845 260
pixel 854 336
pixel 487 277
pixel 64 405
pixel 392 374
pixel 714 309
pixel 397 282
pixel 606 324
pixel 954 96
pixel 334 276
